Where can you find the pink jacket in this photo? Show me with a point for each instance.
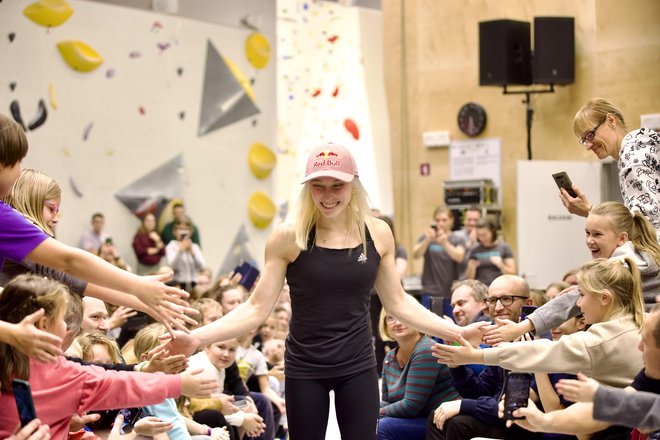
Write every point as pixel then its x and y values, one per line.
pixel 63 388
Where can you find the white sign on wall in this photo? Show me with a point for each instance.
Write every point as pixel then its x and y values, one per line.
pixel 476 159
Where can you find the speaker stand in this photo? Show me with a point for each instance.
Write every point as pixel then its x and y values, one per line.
pixel 530 111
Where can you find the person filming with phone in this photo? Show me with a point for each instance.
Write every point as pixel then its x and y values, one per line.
pixel 443 252
pixel 184 256
pixel 601 128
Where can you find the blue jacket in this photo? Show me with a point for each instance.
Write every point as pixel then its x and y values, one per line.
pixel 481 393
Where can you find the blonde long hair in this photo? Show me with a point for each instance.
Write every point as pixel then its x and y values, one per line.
pixel 21 297
pixel 620 277
pixel 30 191
pixel 639 229
pixel 306 214
pixel 595 112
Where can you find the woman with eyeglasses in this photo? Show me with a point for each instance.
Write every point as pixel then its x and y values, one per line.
pixel 601 128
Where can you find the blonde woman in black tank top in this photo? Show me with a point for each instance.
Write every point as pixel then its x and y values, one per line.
pixel 332 253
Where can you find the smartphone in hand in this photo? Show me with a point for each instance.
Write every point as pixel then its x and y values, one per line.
pixel 131 416
pixel 516 390
pixel 563 181
pixel 24 403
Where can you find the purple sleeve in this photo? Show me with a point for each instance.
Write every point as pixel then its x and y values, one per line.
pixel 18 237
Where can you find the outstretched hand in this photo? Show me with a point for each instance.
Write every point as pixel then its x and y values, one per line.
pixel 166 303
pixel 575 205
pixel 184 343
pixel 504 330
pixel 35 343
pixel 453 355
pixel 581 390
pixel 474 332
pixel 161 361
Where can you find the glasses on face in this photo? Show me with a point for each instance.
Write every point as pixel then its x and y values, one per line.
pixel 505 300
pixel 590 135
pixel 390 319
pixel 53 207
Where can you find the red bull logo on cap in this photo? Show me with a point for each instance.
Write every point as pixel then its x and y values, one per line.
pixel 325 160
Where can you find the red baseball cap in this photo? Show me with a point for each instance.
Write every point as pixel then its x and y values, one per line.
pixel 331 160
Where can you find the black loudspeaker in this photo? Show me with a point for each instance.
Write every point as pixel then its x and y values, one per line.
pixel 554 50
pixel 504 53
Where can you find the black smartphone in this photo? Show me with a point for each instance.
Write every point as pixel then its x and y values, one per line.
pixel 434 227
pixel 563 181
pixel 526 311
pixel 131 416
pixel 24 403
pixel 108 240
pixel 249 275
pixel 516 390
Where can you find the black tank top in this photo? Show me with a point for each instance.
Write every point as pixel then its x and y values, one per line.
pixel 329 333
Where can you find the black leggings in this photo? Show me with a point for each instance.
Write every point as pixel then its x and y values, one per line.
pixel 356 404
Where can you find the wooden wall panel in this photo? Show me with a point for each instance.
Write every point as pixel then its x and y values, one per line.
pixel 431 64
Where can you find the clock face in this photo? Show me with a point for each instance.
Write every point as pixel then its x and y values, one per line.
pixel 472 119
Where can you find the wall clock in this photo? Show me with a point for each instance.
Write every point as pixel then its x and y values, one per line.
pixel 472 119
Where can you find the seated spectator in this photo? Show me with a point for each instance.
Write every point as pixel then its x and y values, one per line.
pixel 253 369
pixel 267 331
pixel 611 301
pixel 555 288
pixel 184 256
pixel 179 214
pixel 216 360
pixel 475 415
pixel 63 388
pixel 146 340
pixel 468 302
pixel 98 348
pixel 229 296
pixel 570 277
pixel 92 239
pixel 413 383
pixel 148 246
pixel 204 283
pixel 209 310
pixel 538 296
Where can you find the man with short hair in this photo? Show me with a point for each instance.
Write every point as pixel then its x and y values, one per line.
pixel 95 316
pixel 467 301
pixel 476 414
pixel 92 239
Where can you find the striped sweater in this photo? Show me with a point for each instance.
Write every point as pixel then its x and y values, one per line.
pixel 419 387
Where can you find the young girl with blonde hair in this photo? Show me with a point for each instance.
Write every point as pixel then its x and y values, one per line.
pixel 62 388
pixel 612 231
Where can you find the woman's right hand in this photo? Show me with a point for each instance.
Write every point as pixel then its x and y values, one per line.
pixel 195 385
pixel 575 205
pixel 151 426
pixel 32 431
pixel 32 342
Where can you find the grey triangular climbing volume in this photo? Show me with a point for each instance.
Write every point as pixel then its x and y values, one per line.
pixel 224 100
pixel 153 191
pixel 238 253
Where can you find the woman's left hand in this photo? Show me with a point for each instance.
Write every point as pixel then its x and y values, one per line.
pixel 457 355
